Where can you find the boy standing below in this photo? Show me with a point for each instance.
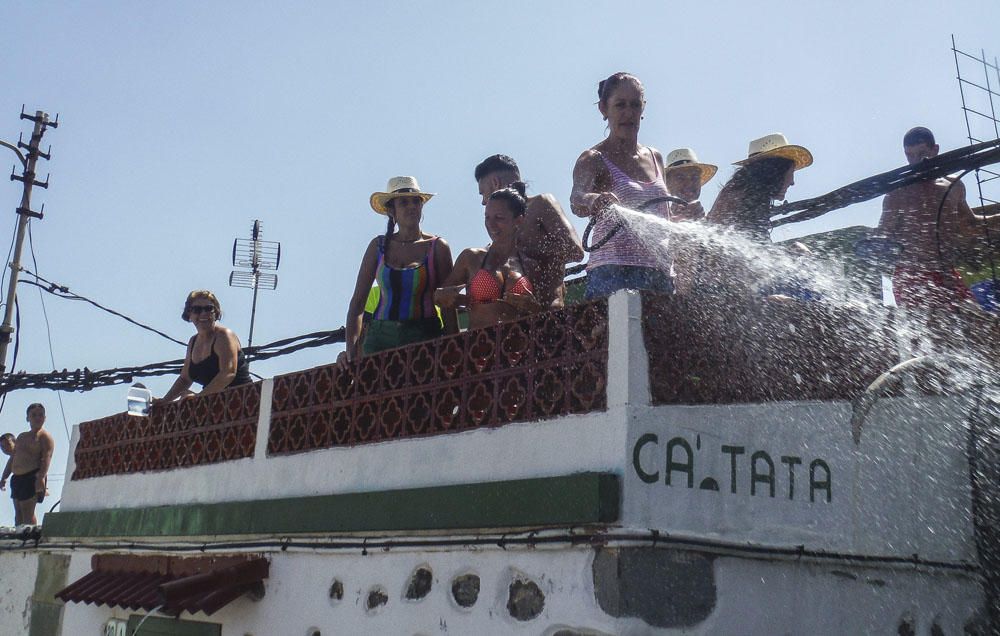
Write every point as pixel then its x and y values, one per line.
pixel 29 463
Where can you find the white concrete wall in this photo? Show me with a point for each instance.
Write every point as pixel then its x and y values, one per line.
pixel 903 490
pixel 567 445
pixel 18 570
pixel 754 597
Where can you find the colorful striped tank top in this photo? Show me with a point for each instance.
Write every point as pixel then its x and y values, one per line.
pixel 625 248
pixel 407 293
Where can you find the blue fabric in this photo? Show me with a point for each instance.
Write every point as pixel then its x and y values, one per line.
pixel 605 280
pixel 985 293
pixel 793 289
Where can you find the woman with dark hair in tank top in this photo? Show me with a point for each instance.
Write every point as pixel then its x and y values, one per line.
pixel 214 357
pixel 408 265
pixel 619 170
pixel 492 279
pixel 745 205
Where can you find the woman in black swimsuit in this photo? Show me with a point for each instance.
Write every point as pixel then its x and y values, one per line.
pixel 214 357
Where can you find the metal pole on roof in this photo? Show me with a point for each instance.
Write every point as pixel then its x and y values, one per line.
pixel 25 213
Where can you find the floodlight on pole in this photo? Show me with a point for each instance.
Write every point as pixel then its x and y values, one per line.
pixel 254 254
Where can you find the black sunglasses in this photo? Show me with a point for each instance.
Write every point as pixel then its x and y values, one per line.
pixel 200 309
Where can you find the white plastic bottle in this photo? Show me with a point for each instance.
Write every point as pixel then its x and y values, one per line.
pixel 139 399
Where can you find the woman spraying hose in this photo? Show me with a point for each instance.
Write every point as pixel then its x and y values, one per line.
pixel 620 171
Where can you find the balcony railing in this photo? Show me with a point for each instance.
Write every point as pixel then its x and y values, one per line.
pixel 193 432
pixel 543 366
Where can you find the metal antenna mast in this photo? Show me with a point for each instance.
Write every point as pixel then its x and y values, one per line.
pixel 256 255
pixel 24 212
pixel 980 104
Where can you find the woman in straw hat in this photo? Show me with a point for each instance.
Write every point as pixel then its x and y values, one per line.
pixel 744 203
pixel 408 265
pixel 492 278
pixel 621 171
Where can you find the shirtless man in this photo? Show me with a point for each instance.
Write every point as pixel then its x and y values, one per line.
pixel 545 240
pixel 29 463
pixel 925 277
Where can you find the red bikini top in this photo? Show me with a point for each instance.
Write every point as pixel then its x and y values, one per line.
pixel 487 287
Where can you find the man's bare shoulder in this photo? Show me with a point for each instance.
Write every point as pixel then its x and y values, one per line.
pixel 542 203
pixel 44 435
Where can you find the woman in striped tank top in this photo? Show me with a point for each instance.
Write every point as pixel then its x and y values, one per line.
pixel 619 170
pixel 408 265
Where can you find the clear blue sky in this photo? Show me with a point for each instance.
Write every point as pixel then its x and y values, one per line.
pixel 181 122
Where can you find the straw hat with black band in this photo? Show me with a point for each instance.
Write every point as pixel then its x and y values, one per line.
pixel 397 187
pixel 685 158
pixel 775 145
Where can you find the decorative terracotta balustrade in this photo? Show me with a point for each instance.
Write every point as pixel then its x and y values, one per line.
pixel 758 351
pixel 544 366
pixel 192 432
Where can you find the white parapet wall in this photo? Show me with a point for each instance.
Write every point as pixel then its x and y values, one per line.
pixel 575 589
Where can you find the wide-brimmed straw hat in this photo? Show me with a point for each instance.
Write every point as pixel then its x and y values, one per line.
pixel 775 145
pixel 685 158
pixel 397 187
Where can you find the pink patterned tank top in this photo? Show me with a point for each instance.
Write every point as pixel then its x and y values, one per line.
pixel 625 247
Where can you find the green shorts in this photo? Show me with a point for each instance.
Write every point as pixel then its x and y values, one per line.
pixel 388 334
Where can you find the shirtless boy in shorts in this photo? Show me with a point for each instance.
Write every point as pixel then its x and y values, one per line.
pixel 29 463
pixel 925 274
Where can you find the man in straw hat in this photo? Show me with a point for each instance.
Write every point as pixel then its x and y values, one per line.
pixel 546 240
pixel 685 176
pixel 933 223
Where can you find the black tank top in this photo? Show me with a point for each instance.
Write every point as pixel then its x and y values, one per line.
pixel 204 372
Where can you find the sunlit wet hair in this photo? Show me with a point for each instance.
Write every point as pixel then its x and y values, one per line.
pixel 33 406
pixel 195 295
pixel 607 86
pixel 7 436
pixel 513 196
pixel 497 163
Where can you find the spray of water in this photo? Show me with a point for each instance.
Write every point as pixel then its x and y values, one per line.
pixel 946 357
pixel 944 352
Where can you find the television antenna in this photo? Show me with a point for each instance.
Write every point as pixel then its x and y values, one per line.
pixel 255 259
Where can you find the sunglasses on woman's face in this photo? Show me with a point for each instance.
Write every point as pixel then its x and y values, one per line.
pixel 200 309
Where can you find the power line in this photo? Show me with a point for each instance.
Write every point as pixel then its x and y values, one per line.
pixel 48 330
pixel 86 379
pixel 62 291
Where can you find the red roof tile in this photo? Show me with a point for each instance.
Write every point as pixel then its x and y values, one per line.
pixel 172 584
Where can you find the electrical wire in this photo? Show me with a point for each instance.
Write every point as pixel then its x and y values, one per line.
pixel 937 224
pixel 85 379
pixel 10 250
pixel 62 291
pixel 17 346
pixel 48 331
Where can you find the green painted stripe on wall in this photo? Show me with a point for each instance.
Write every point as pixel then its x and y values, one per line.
pixel 548 501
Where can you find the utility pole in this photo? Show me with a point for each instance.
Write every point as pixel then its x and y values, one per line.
pixel 24 212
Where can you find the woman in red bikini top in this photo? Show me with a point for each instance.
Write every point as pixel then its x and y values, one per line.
pixel 495 288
